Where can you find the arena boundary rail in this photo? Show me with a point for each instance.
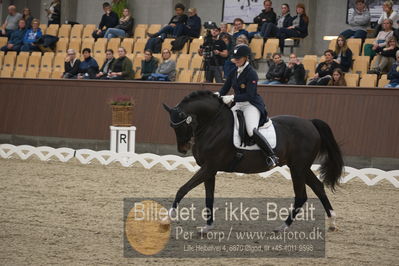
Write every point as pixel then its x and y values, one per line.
pixel 170 162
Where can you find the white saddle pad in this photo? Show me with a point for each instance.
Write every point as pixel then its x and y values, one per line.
pixel 267 130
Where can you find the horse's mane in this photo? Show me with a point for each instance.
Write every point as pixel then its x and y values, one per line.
pixel 197 95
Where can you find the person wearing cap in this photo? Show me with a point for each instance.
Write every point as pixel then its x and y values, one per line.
pixel 214 61
pixel 244 80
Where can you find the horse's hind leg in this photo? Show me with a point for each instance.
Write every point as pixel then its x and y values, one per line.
pixel 318 188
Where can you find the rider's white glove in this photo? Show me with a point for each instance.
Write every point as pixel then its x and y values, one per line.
pixel 228 99
pixel 217 94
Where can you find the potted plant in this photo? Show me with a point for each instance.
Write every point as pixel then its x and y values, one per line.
pixel 122 111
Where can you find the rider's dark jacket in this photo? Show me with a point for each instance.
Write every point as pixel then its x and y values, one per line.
pixel 245 90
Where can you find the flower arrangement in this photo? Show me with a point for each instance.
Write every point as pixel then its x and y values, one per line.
pixel 122 101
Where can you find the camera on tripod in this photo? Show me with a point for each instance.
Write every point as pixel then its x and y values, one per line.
pixel 207 47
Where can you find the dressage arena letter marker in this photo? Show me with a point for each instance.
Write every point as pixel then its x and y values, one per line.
pixel 123 139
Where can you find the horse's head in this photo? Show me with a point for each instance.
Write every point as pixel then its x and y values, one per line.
pixel 181 123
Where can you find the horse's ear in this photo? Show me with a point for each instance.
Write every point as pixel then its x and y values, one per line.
pixel 167 108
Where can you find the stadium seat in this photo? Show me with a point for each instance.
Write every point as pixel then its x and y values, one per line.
pixel 271 47
pixel 383 81
pixel 158 56
pixel 64 31
pixel 195 45
pixel 114 44
pixel 47 62
pixel 88 31
pixel 196 62
pixel 199 76
pixel 309 62
pixel 88 43
pixel 256 46
pixel 3 41
pixel 127 43
pixel 19 73
pixel 331 46
pixel 76 31
pixel 185 75
pixel 140 33
pixel 145 26
pixel 251 28
pixel 361 65
pixel 56 74
pixel 100 45
pixel 137 61
pixel 9 60
pixel 185 48
pixel 59 62
pixel 43 27
pixel 137 73
pixel 355 45
pixel 6 73
pixel 31 74
pixel 52 29
pixel 352 79
pixel 1 60
pixel 100 58
pixel 62 45
pixel 22 62
pixel 167 43
pixel 34 62
pixel 368 80
pixel 153 28
pixel 75 44
pixel 139 46
pixel 183 62
pixel 44 75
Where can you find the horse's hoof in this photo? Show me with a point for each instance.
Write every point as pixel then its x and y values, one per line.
pixel 164 227
pixel 332 229
pixel 281 228
pixel 205 229
pixel 165 221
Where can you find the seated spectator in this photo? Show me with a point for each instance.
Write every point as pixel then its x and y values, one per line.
pixel 88 68
pixel 54 12
pixel 228 66
pixel 193 26
pixel 122 69
pixel 124 28
pixel 388 13
pixel 16 40
pixel 109 20
pixel 107 66
pixel 359 20
pixel 324 70
pixel 239 29
pixel 381 40
pixel 265 17
pixel 27 16
pixel 31 36
pixel 338 78
pixel 343 54
pixel 299 28
pixel 393 74
pixel 385 57
pixel 224 29
pixel 295 71
pixel 11 22
pixel 149 65
pixel 71 65
pixel 174 24
pixel 284 21
pixel 275 74
pixel 166 70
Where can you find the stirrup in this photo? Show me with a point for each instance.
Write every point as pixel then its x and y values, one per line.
pixel 272 161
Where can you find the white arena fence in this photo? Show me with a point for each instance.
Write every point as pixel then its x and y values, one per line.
pixel 370 176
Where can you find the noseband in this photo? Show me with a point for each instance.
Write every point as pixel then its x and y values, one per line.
pixel 188 119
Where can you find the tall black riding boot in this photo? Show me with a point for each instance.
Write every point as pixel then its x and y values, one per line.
pixel 271 158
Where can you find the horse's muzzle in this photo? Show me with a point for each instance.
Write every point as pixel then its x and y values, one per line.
pixel 184 148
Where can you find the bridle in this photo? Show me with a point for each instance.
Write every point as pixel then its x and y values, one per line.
pixel 187 119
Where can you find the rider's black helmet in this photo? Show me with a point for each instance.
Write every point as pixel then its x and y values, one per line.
pixel 241 51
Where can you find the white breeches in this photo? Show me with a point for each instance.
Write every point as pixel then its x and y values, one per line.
pixel 251 114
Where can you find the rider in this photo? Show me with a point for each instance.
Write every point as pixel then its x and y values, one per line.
pixel 244 80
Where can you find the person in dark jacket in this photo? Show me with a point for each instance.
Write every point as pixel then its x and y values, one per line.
pixel 324 70
pixel 149 65
pixel 244 81
pixel 295 71
pixel 343 54
pixel 31 36
pixel 54 12
pixel 16 40
pixel 109 20
pixel 178 19
pixel 122 69
pixel 270 29
pixel 385 57
pixel 393 74
pixel 125 27
pixel 107 66
pixel 71 65
pixel 299 28
pixel 266 16
pixel 27 16
pixel 275 74
pixel 88 68
pixel 193 26
pixel 238 24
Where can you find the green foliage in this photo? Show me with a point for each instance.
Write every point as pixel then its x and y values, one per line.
pixel 118 6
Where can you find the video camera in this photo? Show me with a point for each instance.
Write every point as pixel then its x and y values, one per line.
pixel 207 47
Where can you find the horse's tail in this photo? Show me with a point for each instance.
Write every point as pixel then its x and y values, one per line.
pixel 331 157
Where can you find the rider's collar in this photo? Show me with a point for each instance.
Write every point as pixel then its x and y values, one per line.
pixel 241 68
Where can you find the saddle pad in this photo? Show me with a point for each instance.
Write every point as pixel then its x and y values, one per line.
pixel 267 130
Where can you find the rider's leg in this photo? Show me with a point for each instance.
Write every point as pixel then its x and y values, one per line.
pixel 252 116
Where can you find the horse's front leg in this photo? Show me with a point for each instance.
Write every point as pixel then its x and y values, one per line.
pixel 209 199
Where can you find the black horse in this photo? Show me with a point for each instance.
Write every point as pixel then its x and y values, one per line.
pixel 204 119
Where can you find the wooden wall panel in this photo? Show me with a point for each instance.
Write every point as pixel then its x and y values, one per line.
pixel 364 120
